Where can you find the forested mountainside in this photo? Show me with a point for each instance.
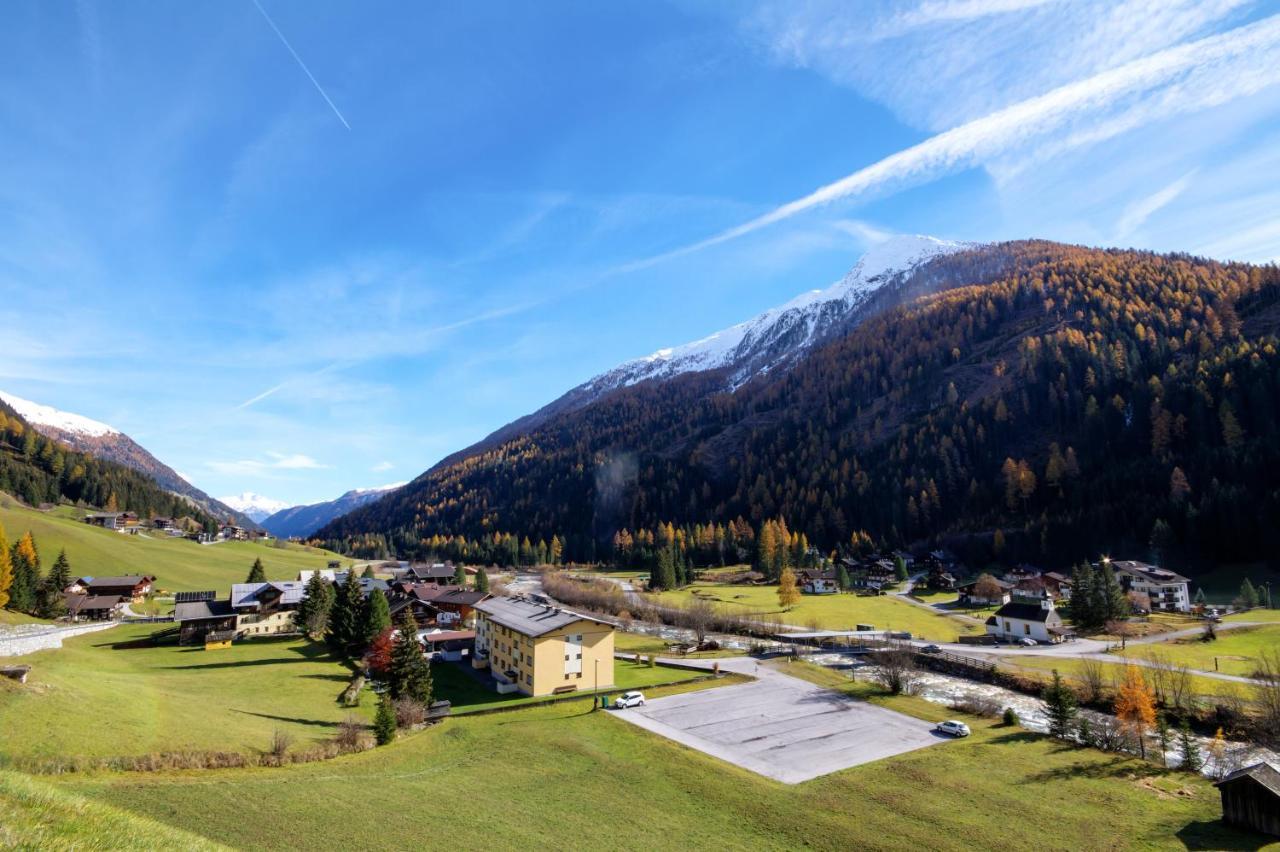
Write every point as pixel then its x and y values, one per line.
pixel 109 444
pixel 1082 400
pixel 39 469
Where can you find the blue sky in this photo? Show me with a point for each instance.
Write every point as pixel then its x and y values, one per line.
pixel 298 247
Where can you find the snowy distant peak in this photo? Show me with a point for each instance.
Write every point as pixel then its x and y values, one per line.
pixel 360 492
pixel 255 505
pixel 46 415
pixel 761 343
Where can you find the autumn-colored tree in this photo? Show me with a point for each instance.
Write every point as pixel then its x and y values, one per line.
pixel 1135 706
pixel 6 569
pixel 378 657
pixel 788 594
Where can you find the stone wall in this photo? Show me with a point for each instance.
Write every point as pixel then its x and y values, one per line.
pixel 28 638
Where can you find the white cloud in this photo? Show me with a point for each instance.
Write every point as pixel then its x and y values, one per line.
pixel 382 466
pixel 274 462
pixel 1138 212
pixel 1183 79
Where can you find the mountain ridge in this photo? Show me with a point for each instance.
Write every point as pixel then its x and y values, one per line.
pixel 302 521
pixel 100 440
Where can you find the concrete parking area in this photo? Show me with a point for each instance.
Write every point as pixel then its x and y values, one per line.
pixel 782 727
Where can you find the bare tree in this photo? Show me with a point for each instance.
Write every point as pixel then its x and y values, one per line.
pixel 698 616
pixel 1267 698
pixel 1122 628
pixel 896 668
pixel 1093 677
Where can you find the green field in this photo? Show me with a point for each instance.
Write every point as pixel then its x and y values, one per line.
pixel 178 564
pixel 36 814
pixel 560 776
pixel 92 699
pixel 1236 651
pixel 642 643
pixel 827 612
pixel 1071 669
pixel 1269 615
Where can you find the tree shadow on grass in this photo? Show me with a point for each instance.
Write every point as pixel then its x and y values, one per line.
pixel 341 678
pixel 238 664
pixel 1215 834
pixel 1118 766
pixel 317 723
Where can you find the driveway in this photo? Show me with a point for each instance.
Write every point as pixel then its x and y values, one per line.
pixel 782 727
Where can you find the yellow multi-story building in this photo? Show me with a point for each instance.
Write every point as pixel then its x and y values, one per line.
pixel 542 650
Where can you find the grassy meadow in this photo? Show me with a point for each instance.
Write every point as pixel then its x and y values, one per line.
pixel 178 564
pixel 560 776
pixel 1235 651
pixel 36 814
pixel 827 612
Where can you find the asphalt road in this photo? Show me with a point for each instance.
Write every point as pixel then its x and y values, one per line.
pixel 782 727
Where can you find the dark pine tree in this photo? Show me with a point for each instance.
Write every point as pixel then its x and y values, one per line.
pixel 410 674
pixel 257 574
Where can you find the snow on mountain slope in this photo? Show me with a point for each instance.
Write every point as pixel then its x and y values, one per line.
pixel 84 435
pixel 761 343
pixel 255 505
pixel 302 521
pixel 46 415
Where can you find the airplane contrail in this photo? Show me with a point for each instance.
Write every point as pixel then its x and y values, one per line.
pixel 302 65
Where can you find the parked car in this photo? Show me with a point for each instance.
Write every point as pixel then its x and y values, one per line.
pixel 1028 642
pixel 931 649
pixel 953 728
pixel 629 699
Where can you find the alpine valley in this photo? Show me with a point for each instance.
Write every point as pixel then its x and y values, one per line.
pixel 1076 400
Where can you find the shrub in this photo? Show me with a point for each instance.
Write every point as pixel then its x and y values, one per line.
pixel 350 733
pixel 1009 718
pixel 409 712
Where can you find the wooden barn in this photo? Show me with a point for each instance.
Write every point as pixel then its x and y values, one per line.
pixel 1251 798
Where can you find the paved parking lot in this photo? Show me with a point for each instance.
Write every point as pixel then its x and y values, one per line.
pixel 782 727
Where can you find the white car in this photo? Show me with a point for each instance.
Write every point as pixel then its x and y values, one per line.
pixel 1028 642
pixel 629 699
pixel 954 728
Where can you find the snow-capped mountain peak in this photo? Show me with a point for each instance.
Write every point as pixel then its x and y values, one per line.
pixel 254 505
pixel 763 342
pixel 360 492
pixel 46 415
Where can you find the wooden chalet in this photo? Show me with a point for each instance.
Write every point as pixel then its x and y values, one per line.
pixel 1251 798
pixel 130 587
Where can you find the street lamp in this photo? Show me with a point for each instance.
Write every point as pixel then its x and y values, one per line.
pixel 596 688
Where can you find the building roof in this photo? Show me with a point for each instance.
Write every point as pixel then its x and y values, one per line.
pixel 1022 612
pixel 1148 572
pixel 82 603
pixel 127 580
pixel 462 597
pixel 246 594
pixel 528 618
pixel 1266 774
pixel 198 610
pixel 447 635
pixel 1003 584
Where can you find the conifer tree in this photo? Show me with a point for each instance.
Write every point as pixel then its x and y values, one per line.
pixel 1248 594
pixel 482 580
pixel 26 575
pixel 384 721
pixel 313 611
pixel 6 569
pixel 257 574
pixel 1060 707
pixel 410 674
pixel 1191 759
pixel 788 594
pixel 50 602
pixel 1136 707
pixel 345 616
pixel 377 615
pixel 842 578
pixel 460 575
pixel 1083 600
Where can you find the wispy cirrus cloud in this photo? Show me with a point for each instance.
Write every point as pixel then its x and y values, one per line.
pixel 1138 212
pixel 1188 78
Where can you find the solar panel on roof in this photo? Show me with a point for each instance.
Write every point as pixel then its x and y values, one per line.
pixel 193 597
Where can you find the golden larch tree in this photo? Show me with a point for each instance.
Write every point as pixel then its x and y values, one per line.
pixel 1136 706
pixel 788 594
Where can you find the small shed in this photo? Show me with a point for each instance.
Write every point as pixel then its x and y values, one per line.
pixel 218 639
pixel 1251 798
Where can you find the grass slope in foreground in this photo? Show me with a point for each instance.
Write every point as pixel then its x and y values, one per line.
pixel 562 777
pixel 829 612
pixel 35 814
pixel 1236 650
pixel 179 564
pixel 91 698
